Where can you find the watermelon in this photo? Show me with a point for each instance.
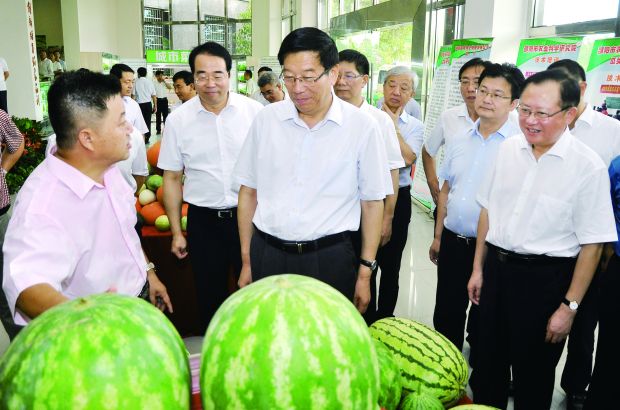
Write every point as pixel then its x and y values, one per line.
pixel 420 401
pixel 474 407
pixel 389 377
pixel 429 362
pixel 99 352
pixel 288 342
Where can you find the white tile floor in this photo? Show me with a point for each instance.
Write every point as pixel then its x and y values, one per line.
pixel 417 289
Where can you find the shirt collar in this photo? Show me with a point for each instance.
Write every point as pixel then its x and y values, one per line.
pixel 233 101
pixel 586 116
pixel 504 131
pixel 77 182
pixel 286 110
pixel 559 149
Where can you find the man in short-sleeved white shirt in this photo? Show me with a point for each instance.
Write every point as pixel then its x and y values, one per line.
pixel 146 96
pixel 546 212
pixel 4 75
pixel 125 75
pixel 201 142
pixel 311 167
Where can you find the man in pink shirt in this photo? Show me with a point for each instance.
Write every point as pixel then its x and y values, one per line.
pixel 72 230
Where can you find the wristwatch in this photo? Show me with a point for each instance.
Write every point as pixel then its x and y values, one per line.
pixel 149 266
pixel 572 305
pixel 371 264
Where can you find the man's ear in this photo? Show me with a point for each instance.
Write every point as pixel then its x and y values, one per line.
pixel 86 139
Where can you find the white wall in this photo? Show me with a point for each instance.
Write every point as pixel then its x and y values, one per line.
pixel 48 21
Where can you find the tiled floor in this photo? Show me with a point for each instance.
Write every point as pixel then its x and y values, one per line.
pixel 417 288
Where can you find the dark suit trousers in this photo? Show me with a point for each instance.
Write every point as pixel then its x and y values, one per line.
pixel 147 113
pixel 517 300
pixel 213 246
pixel 162 112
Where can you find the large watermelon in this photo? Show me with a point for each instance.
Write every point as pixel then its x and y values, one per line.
pixel 288 342
pixel 391 386
pixel 100 352
pixel 474 407
pixel 420 401
pixel 429 362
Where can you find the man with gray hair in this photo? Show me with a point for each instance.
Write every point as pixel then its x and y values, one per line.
pixel 412 107
pixel 398 88
pixel 270 87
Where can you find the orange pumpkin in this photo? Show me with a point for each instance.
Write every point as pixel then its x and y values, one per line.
pixel 152 155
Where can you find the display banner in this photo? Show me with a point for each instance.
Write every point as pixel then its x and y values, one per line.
pixel 536 54
pixel 445 93
pixel 167 56
pixel 603 76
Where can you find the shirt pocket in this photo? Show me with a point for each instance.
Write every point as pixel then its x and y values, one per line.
pixel 551 219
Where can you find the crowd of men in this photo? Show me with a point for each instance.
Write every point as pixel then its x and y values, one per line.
pixel 315 181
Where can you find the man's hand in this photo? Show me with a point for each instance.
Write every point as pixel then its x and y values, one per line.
pixel 245 277
pixel 361 299
pixel 474 287
pixel 393 115
pixel 179 246
pixel 434 187
pixel 158 295
pixel 433 252
pixel 559 324
pixel 386 231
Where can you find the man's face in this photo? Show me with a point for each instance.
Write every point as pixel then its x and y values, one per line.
pixel 272 93
pixel 43 55
pixel 350 83
pixel 469 83
pixel 127 83
pixel 310 97
pixel 494 100
pixel 183 91
pixel 57 55
pixel 110 137
pixel 159 77
pixel 397 91
pixel 211 79
pixel 544 98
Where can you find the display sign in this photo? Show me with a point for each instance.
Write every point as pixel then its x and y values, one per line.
pixel 603 75
pixel 536 54
pixel 167 56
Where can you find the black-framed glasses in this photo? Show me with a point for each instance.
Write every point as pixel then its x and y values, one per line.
pixel 290 80
pixel 349 76
pixel 483 92
pixel 539 115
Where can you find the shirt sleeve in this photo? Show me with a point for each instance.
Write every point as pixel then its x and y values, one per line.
pixel 444 169
pixel 244 172
pixel 10 134
pixel 373 166
pixel 436 139
pixel 484 192
pixel 4 65
pixel 170 156
pixel 392 147
pixel 139 166
pixel 593 215
pixel 415 138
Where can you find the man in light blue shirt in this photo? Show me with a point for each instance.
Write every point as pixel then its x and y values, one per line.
pixel 466 164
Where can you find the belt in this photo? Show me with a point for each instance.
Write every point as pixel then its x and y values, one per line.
pixel 467 240
pixel 504 256
pixel 301 247
pixel 220 213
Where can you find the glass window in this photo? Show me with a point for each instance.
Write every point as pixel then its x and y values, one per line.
pixel 556 12
pixel 334 8
pixel 363 3
pixel 239 9
pixel 241 39
pixel 158 4
pixel 348 6
pixel 184 36
pixel 211 8
pixel 184 10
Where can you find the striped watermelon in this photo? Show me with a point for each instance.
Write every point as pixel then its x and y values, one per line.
pixel 420 401
pixel 474 407
pixel 429 362
pixel 391 385
pixel 288 342
pixel 99 352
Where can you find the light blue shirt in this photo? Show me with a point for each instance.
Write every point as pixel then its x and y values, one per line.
pixel 466 164
pixel 412 131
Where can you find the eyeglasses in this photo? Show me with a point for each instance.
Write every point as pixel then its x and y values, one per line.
pixel 467 83
pixel 290 80
pixel 349 76
pixel 404 88
pixel 483 92
pixel 526 112
pixel 203 77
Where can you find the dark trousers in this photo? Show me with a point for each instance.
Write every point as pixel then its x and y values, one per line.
pixel 578 367
pixel 602 391
pixel 335 265
pixel 213 246
pixel 517 300
pixel 456 258
pixel 3 101
pixel 162 111
pixel 389 256
pixel 147 112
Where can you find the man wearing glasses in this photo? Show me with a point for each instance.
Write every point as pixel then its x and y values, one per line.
pixel 545 214
pixel 352 78
pixel 201 141
pixel 453 122
pixel 270 87
pixel 311 167
pixel 466 163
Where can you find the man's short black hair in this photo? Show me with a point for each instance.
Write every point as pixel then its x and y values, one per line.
pixel 572 67
pixel 159 72
pixel 211 48
pixel 117 70
pixel 141 72
pixel 310 39
pixel 263 69
pixel 474 62
pixel 76 97
pixel 353 56
pixel 569 88
pixel 508 72
pixel 248 72
pixel 186 76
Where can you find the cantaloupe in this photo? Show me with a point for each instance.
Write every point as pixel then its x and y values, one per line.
pixel 151 212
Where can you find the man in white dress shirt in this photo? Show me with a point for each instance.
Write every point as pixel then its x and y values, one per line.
pixel 161 90
pixel 146 96
pixel 46 67
pixel 352 78
pixel 183 82
pixel 270 87
pixel 133 114
pixel 602 134
pixel 201 141
pixel 311 167
pixel 546 212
